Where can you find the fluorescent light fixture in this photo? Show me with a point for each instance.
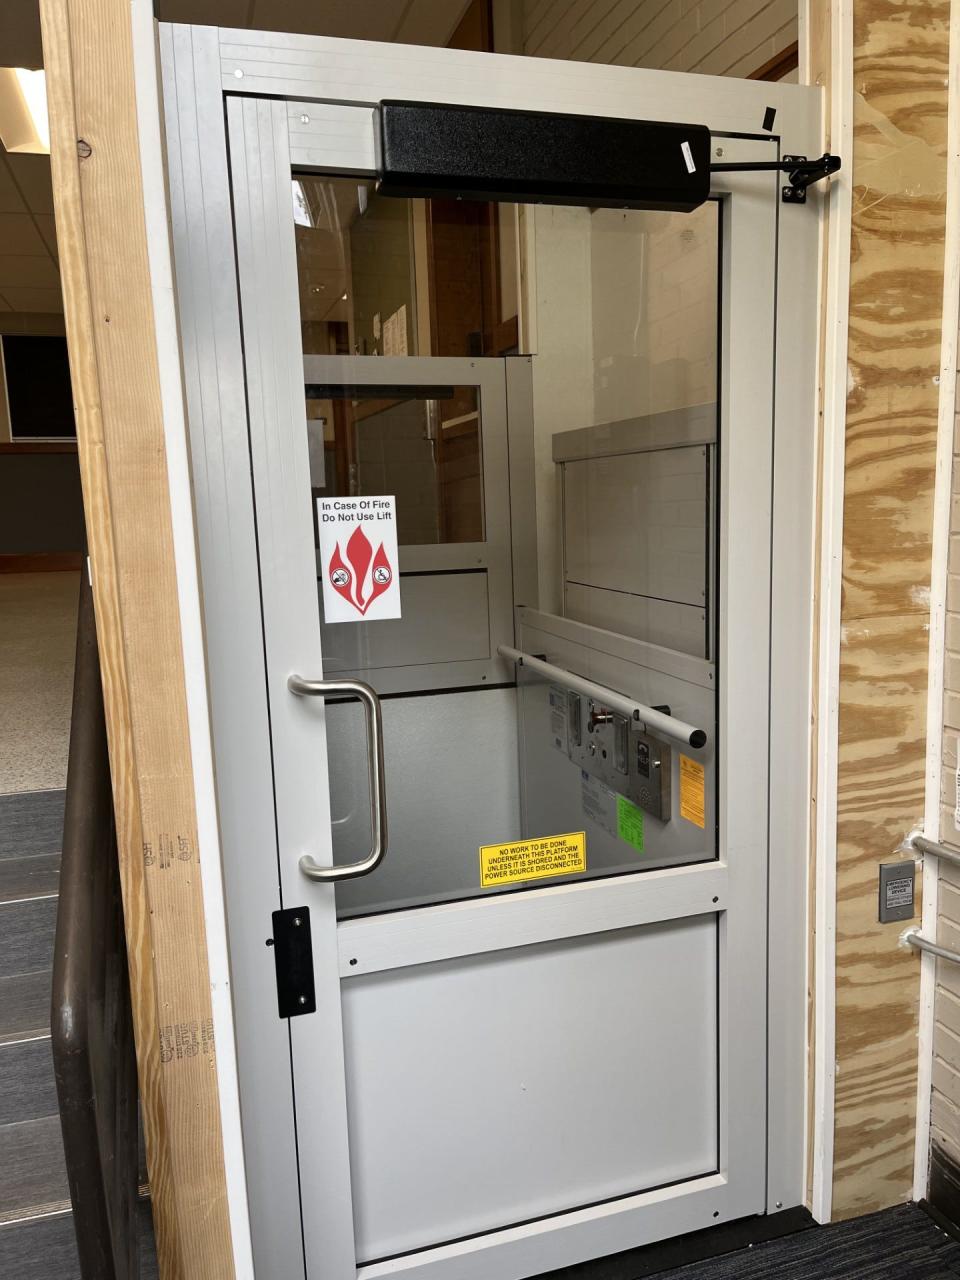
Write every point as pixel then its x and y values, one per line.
pixel 24 124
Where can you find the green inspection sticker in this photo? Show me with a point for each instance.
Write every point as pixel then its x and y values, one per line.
pixel 630 823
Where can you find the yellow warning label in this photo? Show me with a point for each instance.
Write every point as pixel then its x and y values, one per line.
pixel 532 859
pixel 691 790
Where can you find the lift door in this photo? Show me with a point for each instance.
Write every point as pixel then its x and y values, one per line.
pixel 498 847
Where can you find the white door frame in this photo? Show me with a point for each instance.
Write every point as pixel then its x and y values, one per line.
pixel 200 65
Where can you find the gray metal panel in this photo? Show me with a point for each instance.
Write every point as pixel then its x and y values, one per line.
pixel 357 71
pixel 672 429
pixel 553 792
pixel 335 138
pixel 498 1089
pixel 223 500
pixel 674 626
pixel 437 749
pixel 445 620
pixel 637 523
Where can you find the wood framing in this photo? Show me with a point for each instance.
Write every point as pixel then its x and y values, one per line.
pixel 98 197
pixel 900 63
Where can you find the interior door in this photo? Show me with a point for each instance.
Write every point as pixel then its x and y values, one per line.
pixel 540 1023
pixel 515 1072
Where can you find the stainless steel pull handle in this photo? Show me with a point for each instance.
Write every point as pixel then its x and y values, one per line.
pixel 375 774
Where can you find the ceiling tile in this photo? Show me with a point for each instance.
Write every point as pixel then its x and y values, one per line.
pixel 35 272
pixel 32 176
pixel 22 299
pixel 10 199
pixel 20 33
pixel 48 229
pixel 4 304
pixel 18 234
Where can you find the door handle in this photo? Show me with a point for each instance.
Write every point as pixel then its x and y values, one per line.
pixel 375 774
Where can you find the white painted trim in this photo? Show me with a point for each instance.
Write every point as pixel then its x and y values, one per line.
pixel 188 589
pixel 830 570
pixel 938 608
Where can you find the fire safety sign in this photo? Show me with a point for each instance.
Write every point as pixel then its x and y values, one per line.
pixel 358 558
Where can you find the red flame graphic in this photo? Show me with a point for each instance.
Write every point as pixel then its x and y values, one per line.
pixel 353 578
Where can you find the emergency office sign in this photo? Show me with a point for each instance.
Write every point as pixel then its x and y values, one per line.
pixel 358 558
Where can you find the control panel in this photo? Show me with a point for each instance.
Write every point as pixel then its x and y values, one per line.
pixel 608 746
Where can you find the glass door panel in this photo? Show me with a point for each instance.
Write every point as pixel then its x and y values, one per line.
pixel 629 339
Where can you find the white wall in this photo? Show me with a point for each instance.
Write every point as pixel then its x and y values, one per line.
pixel 715 37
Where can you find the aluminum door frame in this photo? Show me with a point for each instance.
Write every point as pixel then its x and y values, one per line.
pixel 199 66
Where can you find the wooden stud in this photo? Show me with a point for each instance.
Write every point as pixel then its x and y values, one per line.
pixel 113 358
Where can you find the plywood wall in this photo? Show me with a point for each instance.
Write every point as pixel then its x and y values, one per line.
pixel 896 288
pixel 715 37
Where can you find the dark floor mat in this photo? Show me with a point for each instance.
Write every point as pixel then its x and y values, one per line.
pixel 897 1244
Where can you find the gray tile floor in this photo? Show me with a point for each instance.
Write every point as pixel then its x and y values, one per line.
pixel 38 633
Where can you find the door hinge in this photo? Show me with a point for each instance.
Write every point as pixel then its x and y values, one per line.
pixel 293 957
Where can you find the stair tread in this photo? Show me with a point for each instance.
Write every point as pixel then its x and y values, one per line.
pixel 31 823
pixel 25 1005
pixel 37 876
pixel 32 1168
pixel 27 931
pixel 47 1246
pixel 28 1088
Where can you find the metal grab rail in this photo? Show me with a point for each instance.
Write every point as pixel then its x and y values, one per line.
pixel 914 938
pixel 919 843
pixel 649 717
pixel 375 773
pixel 91 1022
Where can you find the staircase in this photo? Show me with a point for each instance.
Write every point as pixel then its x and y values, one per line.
pixel 37 1240
pixel 36 1227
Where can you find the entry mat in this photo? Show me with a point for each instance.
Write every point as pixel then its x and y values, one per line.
pixel 898 1244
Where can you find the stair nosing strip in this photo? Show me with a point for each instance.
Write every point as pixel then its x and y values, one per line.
pixel 25 1038
pixel 34 1213
pixel 35 897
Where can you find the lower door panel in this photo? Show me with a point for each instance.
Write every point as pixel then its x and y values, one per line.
pixel 495 1089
